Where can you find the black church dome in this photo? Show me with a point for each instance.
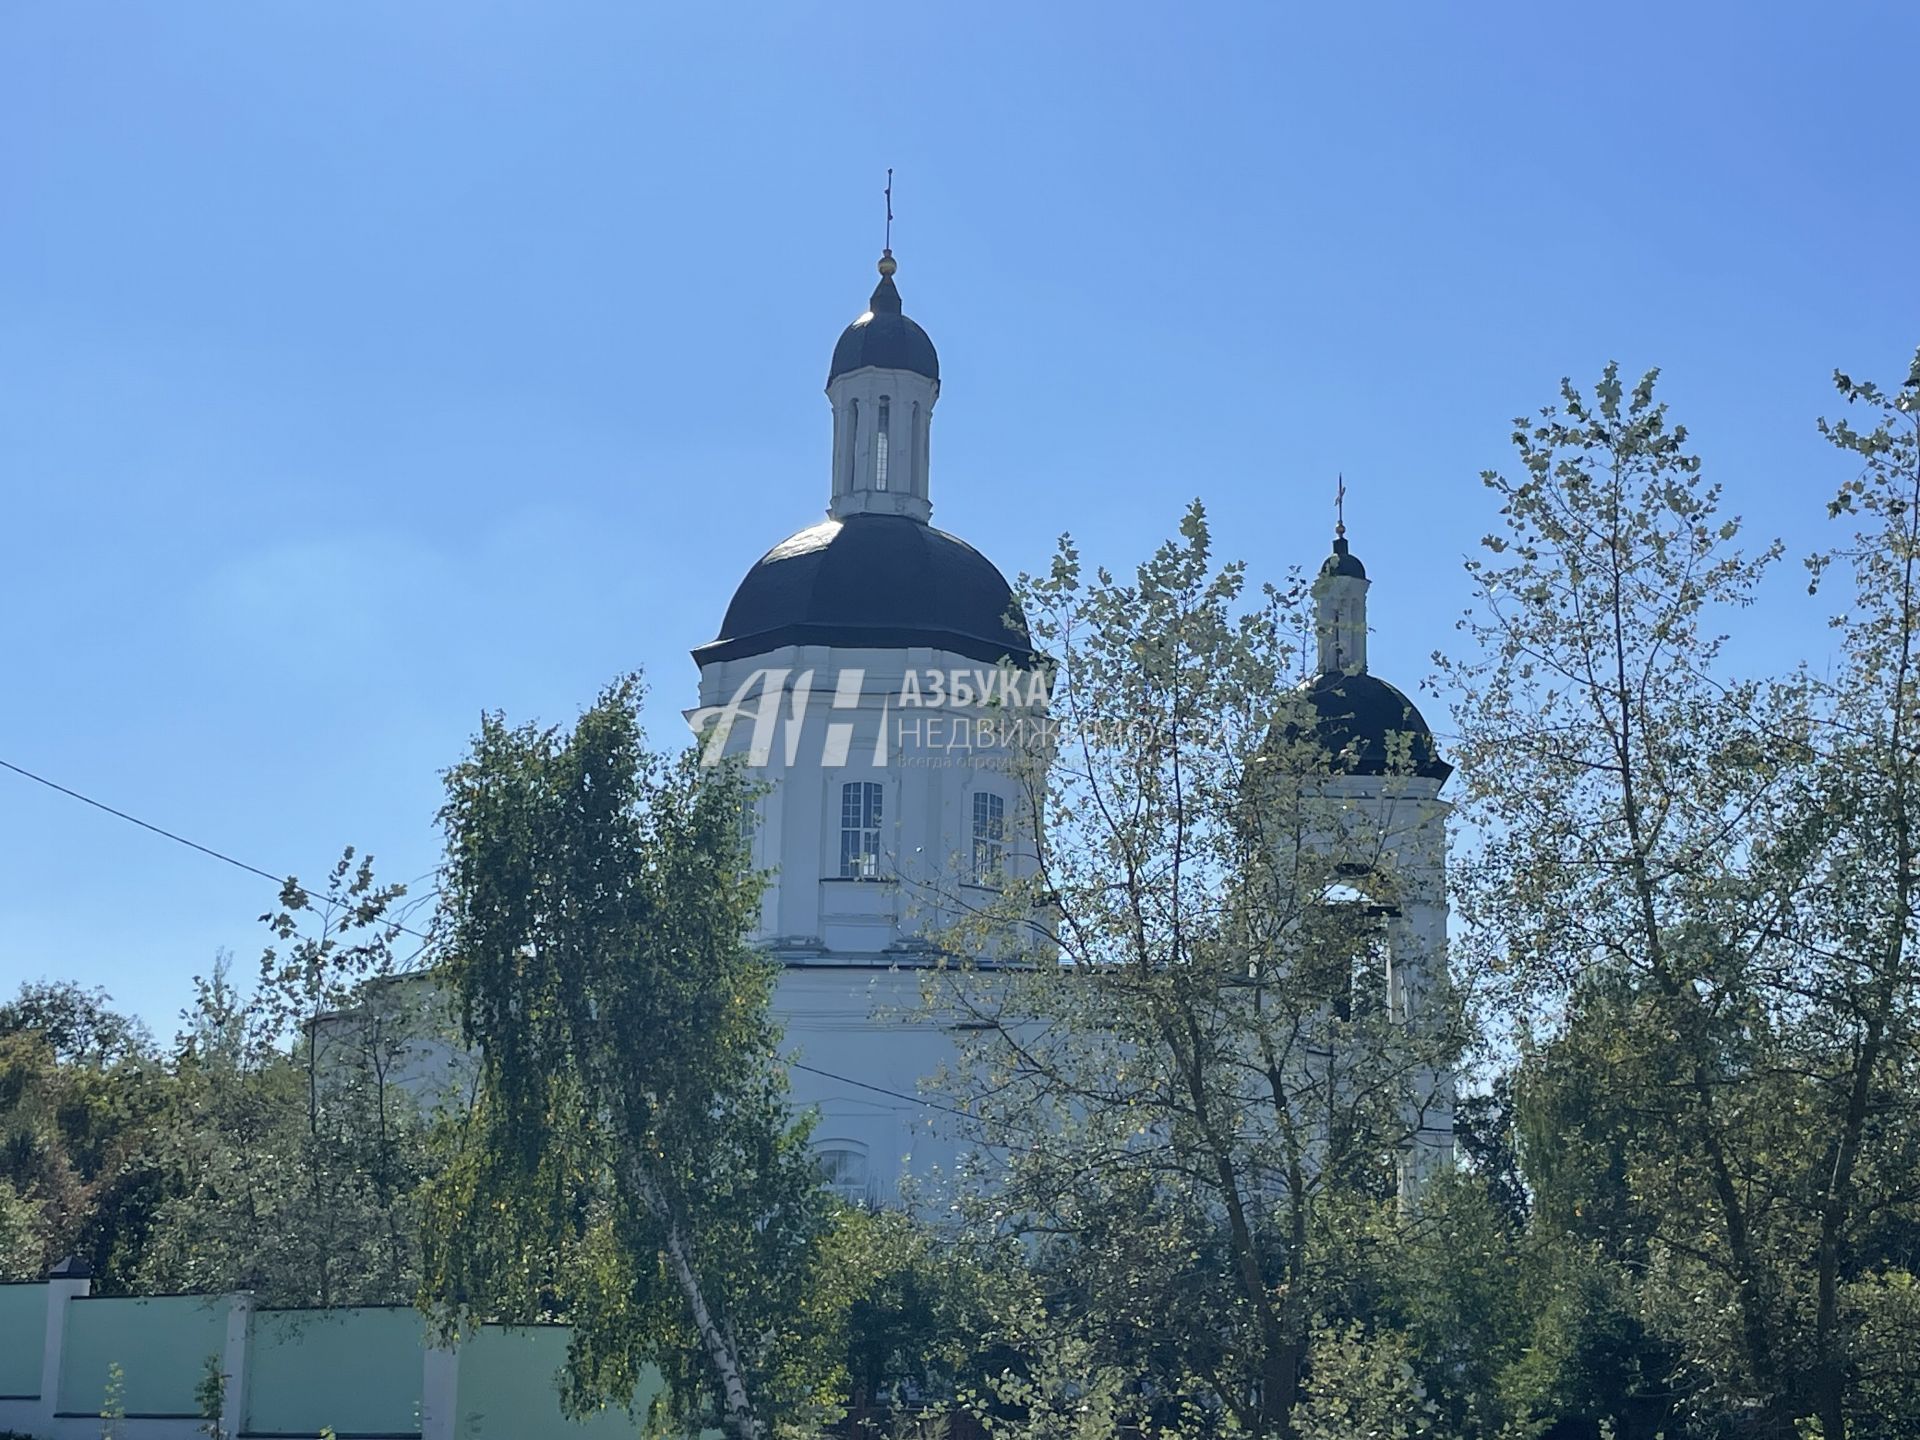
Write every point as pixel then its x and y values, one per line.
pixel 1360 721
pixel 1343 562
pixel 884 337
pixel 873 581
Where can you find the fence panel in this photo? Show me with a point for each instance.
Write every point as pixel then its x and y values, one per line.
pixel 161 1345
pixel 356 1371
pixel 23 1321
pixel 508 1389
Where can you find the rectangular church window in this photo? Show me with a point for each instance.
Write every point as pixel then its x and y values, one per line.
pixel 989 837
pixel 859 830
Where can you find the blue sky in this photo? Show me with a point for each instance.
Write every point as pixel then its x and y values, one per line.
pixel 366 366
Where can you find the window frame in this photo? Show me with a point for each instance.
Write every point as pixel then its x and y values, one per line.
pixel 862 821
pixel 835 1149
pixel 987 831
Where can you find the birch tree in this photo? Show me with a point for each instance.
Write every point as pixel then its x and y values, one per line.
pixel 629 1163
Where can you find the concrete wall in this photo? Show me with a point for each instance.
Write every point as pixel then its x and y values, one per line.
pixel 161 1346
pixel 297 1359
pixel 367 1373
pixel 23 1314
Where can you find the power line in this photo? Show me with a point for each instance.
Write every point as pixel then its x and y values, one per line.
pixel 883 1090
pixel 143 824
pixel 920 1100
pixel 167 834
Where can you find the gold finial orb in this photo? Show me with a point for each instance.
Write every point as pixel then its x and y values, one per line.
pixel 887 263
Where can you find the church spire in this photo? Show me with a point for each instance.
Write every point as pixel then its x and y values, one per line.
pixel 1340 601
pixel 883 383
pixel 886 299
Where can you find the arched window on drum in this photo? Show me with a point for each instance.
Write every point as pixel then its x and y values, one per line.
pixel 843 1170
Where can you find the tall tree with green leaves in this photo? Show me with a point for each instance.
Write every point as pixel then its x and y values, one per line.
pixel 1858 971
pixel 1613 769
pixel 629 1162
pixel 324 989
pixel 1701 889
pixel 80 1084
pixel 1195 1075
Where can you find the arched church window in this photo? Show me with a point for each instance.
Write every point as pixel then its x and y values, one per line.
pixel 1355 955
pixel 853 440
pixel 989 837
pixel 917 452
pixel 859 830
pixel 880 445
pixel 842 1165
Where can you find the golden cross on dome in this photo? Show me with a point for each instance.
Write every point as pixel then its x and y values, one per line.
pixel 888 192
pixel 1340 509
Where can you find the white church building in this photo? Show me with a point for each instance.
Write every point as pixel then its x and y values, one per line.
pixel 872 848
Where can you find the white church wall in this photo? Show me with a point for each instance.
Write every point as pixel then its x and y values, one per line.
pixel 863 1047
pixel 865 1055
pixel 1390 834
pixel 812 719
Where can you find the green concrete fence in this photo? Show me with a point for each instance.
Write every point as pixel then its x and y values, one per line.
pixel 68 1357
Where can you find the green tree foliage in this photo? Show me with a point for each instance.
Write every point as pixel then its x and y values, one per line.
pixel 1361 1384
pixel 629 1161
pixel 1194 1074
pixel 274 1148
pixel 1700 888
pixel 1858 1043
pixel 293 1149
pixel 78 1026
pixel 914 1315
pixel 79 1085
pixel 23 1248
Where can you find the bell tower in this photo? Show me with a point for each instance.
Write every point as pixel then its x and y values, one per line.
pixel 1370 802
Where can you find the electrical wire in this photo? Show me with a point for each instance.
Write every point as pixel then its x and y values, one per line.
pixel 22 771
pixel 178 839
pixel 883 1090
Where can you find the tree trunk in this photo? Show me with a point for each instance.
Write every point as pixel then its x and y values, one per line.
pixel 1756 1335
pixel 728 1374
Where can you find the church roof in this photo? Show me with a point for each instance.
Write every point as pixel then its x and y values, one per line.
pixel 1358 721
pixel 1343 561
pixel 884 337
pixel 873 581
